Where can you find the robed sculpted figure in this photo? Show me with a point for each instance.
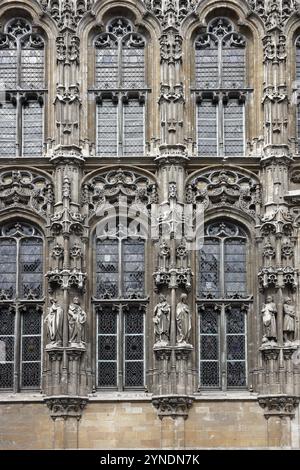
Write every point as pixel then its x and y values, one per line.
pixel 183 321
pixel 162 312
pixel 54 323
pixel 77 320
pixel 288 320
pixel 269 312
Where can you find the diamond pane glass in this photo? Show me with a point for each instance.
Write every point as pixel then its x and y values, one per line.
pixel 107 128
pixel 106 68
pixel 207 129
pixel 209 261
pixel 31 268
pixel 134 348
pixel 32 129
pixel 107 347
pixel 235 267
pixel 8 68
pixel 206 67
pixel 31 348
pixel 233 67
pixel 133 74
pixel 236 374
pixel 298 87
pixel 134 268
pixel 8 123
pixel 236 348
pixel 234 128
pixel 133 128
pixel 32 68
pixel 107 270
pixel 209 348
pixel 8 255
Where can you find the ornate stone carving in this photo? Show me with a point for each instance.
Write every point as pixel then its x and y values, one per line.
pixel 269 314
pixel 66 406
pixel 183 321
pixel 289 320
pixel 173 405
pixel 274 13
pixel 76 320
pixel 65 279
pixel 26 189
pixel 54 324
pixel 162 318
pixel 222 188
pixel 278 405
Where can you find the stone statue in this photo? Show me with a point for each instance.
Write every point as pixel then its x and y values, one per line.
pixel 77 320
pixel 54 323
pixel 269 312
pixel 183 321
pixel 161 321
pixel 288 320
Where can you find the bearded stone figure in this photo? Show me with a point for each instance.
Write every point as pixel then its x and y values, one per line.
pixel 77 320
pixel 269 312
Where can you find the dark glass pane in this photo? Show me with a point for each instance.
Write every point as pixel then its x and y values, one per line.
pixel 235 347
pixel 8 254
pixel 235 321
pixel 107 374
pixel 134 348
pixel 107 348
pixel 209 347
pixel 107 322
pixel 107 128
pixel 7 321
pixel 209 259
pixel 31 348
pixel 107 261
pixel 210 374
pixel 134 268
pixel 236 374
pixel 209 322
pixel 134 321
pixel 32 68
pixel 31 268
pixel 6 375
pixel 31 374
pixel 31 322
pixel 235 267
pixel 133 128
pixel 134 374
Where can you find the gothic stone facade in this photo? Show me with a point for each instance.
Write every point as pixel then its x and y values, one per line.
pixel 178 115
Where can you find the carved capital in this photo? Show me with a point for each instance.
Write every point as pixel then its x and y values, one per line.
pixel 172 405
pixel 278 405
pixel 65 407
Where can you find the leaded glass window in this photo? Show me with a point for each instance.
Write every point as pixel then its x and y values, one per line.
pixel 222 305
pixel 22 80
pixel 120 346
pixel 220 81
pixel 120 90
pixel 21 297
pixel 120 306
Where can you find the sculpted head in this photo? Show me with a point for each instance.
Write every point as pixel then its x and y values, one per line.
pixel 162 298
pixel 288 300
pixel 183 298
pixel 76 301
pixel 269 299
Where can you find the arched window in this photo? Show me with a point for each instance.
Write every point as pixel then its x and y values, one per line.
pixel 220 80
pixel 22 90
pixel 120 90
pixel 21 294
pixel 222 305
pixel 119 290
